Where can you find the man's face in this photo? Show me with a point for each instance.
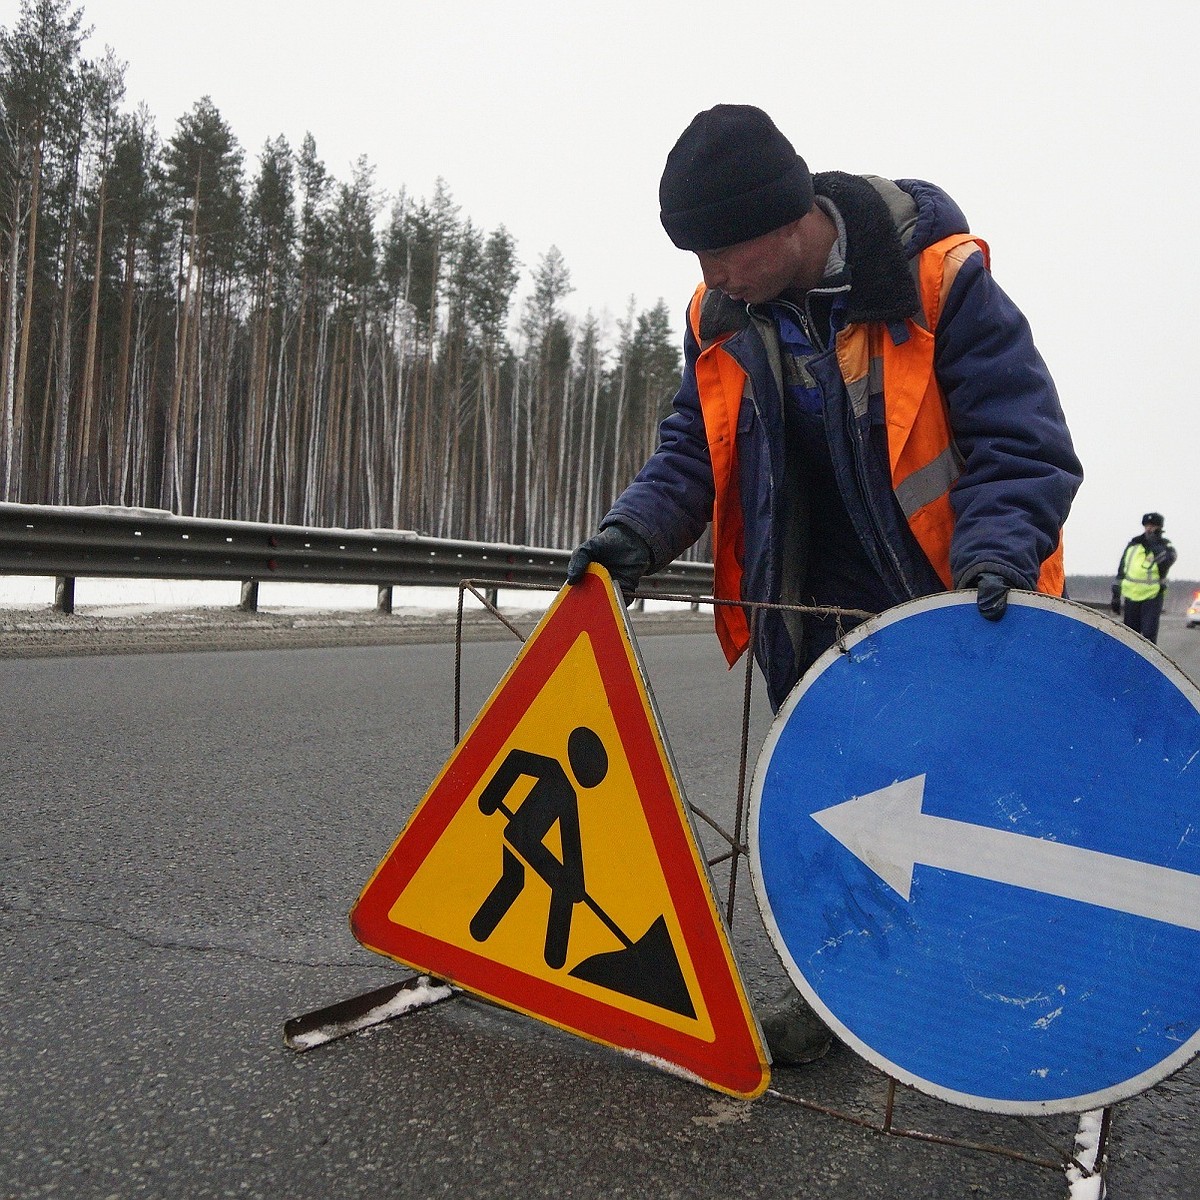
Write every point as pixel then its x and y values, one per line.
pixel 792 258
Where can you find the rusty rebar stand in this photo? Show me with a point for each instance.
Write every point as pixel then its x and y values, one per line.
pixel 737 854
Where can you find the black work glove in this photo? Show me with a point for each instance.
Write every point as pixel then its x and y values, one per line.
pixel 1115 602
pixel 623 553
pixel 992 596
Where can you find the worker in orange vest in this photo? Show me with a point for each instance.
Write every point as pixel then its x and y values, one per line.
pixel 863 416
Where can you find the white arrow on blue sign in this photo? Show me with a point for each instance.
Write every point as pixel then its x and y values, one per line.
pixel 976 847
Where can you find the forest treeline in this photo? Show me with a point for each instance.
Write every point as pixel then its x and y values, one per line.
pixel 187 330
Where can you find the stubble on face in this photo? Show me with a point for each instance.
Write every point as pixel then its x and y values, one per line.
pixel 789 259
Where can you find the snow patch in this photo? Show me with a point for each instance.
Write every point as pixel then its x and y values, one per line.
pixel 1087 1184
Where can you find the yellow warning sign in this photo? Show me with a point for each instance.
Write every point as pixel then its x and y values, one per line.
pixel 552 865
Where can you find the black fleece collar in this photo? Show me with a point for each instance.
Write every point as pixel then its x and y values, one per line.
pixel 881 285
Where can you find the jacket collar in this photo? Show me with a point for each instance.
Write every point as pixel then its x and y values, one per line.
pixel 882 287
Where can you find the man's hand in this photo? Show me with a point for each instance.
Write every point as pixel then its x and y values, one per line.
pixel 623 553
pixel 992 596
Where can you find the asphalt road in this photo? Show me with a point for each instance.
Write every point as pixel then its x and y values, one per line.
pixel 183 836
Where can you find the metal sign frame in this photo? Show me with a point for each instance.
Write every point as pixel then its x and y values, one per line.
pixel 351 1015
pixel 1085 1164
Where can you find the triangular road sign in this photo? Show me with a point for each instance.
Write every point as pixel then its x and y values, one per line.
pixel 552 866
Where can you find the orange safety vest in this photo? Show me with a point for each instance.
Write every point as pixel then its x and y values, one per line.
pixel 924 460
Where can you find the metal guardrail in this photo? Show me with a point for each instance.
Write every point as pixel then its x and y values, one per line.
pixel 147 543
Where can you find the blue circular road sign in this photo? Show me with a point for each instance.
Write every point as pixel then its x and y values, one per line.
pixel 976 847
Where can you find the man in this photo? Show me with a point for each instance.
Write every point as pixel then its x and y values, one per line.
pixel 1142 577
pixel 863 416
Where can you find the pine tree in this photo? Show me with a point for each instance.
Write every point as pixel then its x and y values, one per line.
pixel 39 62
pixel 271 233
pixel 139 220
pixel 204 164
pixel 548 356
pixel 105 89
pixel 491 300
pixel 280 346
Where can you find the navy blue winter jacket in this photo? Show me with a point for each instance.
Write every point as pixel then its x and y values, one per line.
pixel 1019 471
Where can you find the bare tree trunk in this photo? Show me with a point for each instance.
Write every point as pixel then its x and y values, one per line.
pixel 8 370
pixel 515 435
pixel 64 452
pixel 193 384
pixel 367 436
pixel 87 400
pixel 294 495
pixel 277 466
pixel 118 455
pixel 40 488
pixel 16 443
pixel 172 468
pixel 317 408
pixel 590 516
pixel 400 348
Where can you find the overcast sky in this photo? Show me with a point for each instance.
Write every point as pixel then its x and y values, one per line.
pixel 1066 130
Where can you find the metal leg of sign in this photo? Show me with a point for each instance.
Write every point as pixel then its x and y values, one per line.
pixel 1101 1155
pixel 1090 1159
pixel 364 1011
pixel 740 819
pixel 488 598
pixel 1077 1164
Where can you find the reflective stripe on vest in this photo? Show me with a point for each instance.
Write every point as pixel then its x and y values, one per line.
pixel 923 458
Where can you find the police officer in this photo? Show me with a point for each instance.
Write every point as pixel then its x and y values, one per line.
pixel 1142 577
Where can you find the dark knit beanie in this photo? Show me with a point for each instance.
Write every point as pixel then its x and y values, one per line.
pixel 732 176
pixel 1153 518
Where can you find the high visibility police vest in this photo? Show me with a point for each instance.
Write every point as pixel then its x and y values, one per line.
pixel 1140 576
pixel 923 458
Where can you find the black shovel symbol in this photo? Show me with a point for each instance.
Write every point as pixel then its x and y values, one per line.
pixel 646 969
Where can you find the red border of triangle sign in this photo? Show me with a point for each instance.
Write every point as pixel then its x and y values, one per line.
pixel 674 995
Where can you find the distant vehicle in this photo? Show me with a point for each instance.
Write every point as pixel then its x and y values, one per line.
pixel 1193 612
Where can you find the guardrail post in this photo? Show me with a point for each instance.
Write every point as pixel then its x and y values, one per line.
pixel 64 594
pixel 249 601
pixel 493 597
pixel 383 599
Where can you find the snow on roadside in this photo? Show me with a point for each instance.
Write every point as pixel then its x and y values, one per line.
pixel 138 597
pixel 131 597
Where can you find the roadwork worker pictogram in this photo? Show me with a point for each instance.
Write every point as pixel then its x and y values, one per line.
pixel 648 968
